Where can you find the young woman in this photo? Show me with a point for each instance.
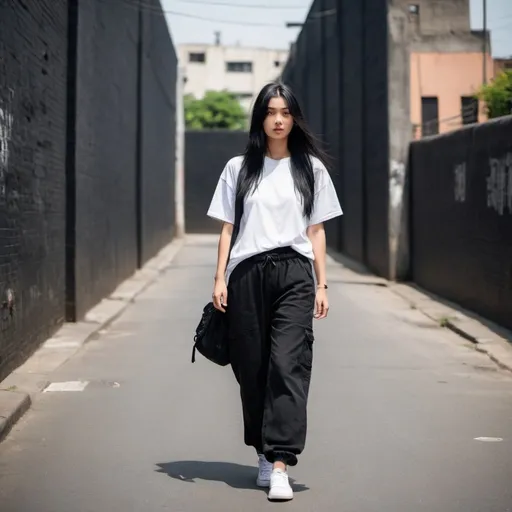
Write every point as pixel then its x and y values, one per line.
pixel 287 195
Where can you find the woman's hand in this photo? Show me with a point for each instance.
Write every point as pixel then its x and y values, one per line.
pixel 220 295
pixel 321 304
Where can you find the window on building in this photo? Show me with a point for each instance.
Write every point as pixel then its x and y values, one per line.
pixel 239 67
pixel 429 115
pixel 469 110
pixel 197 57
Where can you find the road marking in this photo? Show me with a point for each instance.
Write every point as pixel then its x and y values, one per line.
pixel 489 439
pixel 62 344
pixel 74 385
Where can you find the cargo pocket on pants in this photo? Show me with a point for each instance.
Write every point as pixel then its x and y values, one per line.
pixel 306 361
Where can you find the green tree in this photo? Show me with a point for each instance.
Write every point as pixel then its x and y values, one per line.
pixel 218 109
pixel 497 95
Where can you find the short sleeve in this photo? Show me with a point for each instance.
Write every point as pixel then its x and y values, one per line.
pixel 222 206
pixel 326 205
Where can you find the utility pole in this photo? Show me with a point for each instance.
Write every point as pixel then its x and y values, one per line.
pixel 179 194
pixel 484 48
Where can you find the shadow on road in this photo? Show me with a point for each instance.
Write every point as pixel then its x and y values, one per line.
pixel 234 475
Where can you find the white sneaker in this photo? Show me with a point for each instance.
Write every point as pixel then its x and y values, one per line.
pixel 264 472
pixel 280 489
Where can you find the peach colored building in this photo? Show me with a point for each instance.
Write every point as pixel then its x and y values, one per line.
pixel 445 63
pixel 442 88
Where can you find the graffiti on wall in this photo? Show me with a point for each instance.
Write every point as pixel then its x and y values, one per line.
pixel 499 184
pixel 6 121
pixel 396 182
pixel 460 182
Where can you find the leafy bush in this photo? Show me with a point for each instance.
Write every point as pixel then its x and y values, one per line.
pixel 497 95
pixel 218 109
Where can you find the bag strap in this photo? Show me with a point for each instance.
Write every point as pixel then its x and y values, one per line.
pixel 239 211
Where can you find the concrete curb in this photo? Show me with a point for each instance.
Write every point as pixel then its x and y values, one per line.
pixel 33 376
pixel 484 336
pixel 13 405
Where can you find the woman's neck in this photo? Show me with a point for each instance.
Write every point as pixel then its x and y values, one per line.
pixel 277 149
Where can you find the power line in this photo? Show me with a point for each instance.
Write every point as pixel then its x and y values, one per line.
pixel 506 25
pixel 248 6
pixel 140 4
pixel 467 110
pixel 501 27
pixel 228 22
pixel 136 4
pixel 313 16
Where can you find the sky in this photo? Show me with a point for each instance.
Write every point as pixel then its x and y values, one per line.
pixel 265 24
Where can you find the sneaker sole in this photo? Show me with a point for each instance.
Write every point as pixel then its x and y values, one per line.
pixel 280 497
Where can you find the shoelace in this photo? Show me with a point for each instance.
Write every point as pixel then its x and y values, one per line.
pixel 281 477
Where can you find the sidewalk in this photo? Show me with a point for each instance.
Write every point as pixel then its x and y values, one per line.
pixel 484 335
pixel 17 390
pixel 398 405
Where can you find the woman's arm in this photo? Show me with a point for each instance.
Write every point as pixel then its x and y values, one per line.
pixel 220 292
pixel 223 250
pixel 316 234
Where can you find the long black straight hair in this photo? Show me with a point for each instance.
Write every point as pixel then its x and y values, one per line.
pixel 302 145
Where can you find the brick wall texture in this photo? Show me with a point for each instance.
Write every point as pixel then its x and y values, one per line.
pixel 86 158
pixel 32 174
pixel 106 146
pixel 339 71
pixel 158 129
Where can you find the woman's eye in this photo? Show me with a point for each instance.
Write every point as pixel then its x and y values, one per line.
pixel 286 114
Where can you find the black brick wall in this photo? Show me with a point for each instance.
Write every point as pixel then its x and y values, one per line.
pixel 461 242
pixel 106 138
pixel 158 134
pixel 340 68
pixel 331 113
pixel 87 139
pixel 32 174
pixel 320 39
pixel 351 127
pixel 376 135
pixel 314 99
pixel 206 154
pixel 312 72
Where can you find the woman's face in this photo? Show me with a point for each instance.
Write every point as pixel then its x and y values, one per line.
pixel 279 122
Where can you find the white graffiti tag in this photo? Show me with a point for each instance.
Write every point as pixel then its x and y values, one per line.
pixel 499 184
pixel 460 182
pixel 6 121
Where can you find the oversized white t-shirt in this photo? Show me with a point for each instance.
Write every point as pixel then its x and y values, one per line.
pixel 273 214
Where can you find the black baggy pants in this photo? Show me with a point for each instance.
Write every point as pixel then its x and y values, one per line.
pixel 270 305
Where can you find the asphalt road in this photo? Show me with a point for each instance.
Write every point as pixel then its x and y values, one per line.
pixel 396 406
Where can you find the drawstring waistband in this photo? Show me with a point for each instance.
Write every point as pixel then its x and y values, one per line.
pixel 269 259
pixel 275 255
pixel 272 257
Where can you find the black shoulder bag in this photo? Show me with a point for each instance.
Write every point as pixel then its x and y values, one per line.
pixel 211 338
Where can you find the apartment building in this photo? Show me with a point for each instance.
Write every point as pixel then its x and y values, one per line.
pixel 239 70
